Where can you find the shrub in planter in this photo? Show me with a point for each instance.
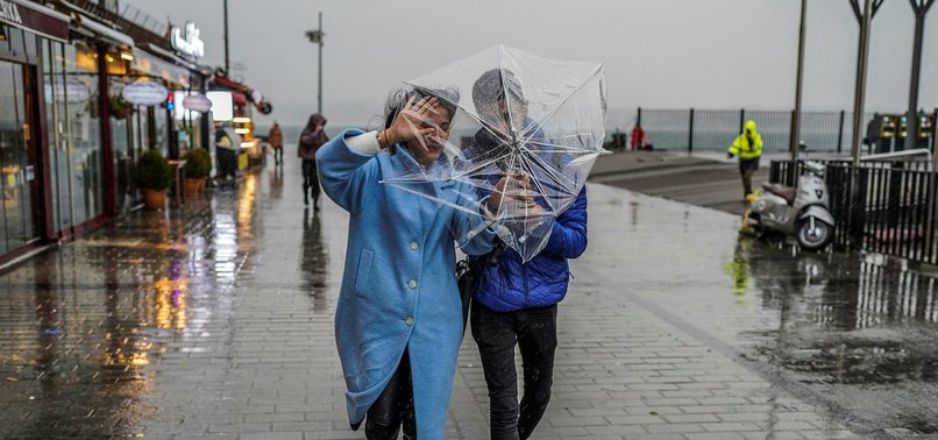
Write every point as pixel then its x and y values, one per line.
pixel 198 167
pixel 153 176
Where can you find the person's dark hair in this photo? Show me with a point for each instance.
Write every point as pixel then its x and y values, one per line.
pixel 492 85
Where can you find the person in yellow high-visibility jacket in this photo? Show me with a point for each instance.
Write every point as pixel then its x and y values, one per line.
pixel 748 146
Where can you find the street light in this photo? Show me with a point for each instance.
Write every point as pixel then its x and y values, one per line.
pixel 316 36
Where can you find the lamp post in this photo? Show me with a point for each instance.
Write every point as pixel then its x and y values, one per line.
pixel 799 81
pixel 316 37
pixel 227 61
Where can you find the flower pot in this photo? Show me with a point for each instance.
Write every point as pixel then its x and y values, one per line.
pixel 193 186
pixel 154 199
pixel 202 184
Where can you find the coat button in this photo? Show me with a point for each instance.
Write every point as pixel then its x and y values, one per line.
pixel 412 284
pixel 413 245
pixel 409 321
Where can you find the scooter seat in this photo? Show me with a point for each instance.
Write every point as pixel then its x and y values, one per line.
pixel 786 192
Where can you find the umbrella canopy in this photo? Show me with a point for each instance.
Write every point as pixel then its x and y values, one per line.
pixel 518 139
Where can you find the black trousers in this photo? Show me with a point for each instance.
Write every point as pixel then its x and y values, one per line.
pixel 310 181
pixel 394 407
pixel 278 156
pixel 496 334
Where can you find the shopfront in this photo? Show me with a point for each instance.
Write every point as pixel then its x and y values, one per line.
pixel 68 139
pixel 25 217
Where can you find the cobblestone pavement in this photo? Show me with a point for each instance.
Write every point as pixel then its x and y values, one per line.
pixel 215 322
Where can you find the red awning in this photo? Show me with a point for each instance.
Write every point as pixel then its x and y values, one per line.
pixel 239 99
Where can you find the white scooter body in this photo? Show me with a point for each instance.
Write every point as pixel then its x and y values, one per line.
pixel 808 217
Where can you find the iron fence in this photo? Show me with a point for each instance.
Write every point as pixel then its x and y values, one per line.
pixel 885 207
pixel 714 130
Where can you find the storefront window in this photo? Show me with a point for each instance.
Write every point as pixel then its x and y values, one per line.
pixel 55 126
pixel 123 141
pixel 16 216
pixel 74 134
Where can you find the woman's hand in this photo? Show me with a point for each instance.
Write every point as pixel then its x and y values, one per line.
pixel 410 122
pixel 513 187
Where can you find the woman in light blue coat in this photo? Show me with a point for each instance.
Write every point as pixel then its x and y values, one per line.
pixel 399 309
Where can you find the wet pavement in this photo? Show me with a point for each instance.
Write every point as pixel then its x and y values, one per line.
pixel 215 321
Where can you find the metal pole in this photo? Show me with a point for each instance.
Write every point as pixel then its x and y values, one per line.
pixel 690 133
pixel 860 91
pixel 799 81
pixel 840 134
pixel 319 95
pixel 934 141
pixel 920 10
pixel 227 61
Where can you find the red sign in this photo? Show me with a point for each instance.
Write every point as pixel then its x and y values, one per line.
pixel 34 18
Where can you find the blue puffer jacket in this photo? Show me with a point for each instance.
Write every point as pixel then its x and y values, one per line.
pixel 542 282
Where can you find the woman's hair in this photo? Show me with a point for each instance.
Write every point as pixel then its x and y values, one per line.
pixel 448 97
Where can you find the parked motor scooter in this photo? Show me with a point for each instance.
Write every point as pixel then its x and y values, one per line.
pixel 803 211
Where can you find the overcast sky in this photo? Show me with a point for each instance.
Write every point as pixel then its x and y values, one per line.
pixel 658 53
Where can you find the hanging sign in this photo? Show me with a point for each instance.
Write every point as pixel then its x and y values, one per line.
pixel 146 93
pixel 187 40
pixel 71 90
pixel 197 102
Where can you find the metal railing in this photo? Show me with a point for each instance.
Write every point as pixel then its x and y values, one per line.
pixel 714 130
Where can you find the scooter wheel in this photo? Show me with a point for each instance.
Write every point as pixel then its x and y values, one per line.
pixel 814 235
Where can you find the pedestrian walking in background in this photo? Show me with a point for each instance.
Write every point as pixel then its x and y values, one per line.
pixel 398 319
pixel 515 303
pixel 275 139
pixel 312 137
pixel 638 138
pixel 748 146
pixel 227 145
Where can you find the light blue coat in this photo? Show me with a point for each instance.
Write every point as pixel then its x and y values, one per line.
pixel 399 287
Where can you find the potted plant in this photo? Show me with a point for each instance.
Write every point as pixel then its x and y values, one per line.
pixel 153 176
pixel 197 168
pixel 120 108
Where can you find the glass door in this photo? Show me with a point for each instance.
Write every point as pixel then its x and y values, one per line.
pixel 19 219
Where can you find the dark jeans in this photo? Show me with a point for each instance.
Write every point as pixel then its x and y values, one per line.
pixel 278 156
pixel 535 333
pixel 748 167
pixel 310 181
pixel 227 162
pixel 395 406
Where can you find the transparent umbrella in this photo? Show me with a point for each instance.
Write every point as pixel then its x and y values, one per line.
pixel 516 135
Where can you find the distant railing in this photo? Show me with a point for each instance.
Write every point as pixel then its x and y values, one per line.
pixel 714 130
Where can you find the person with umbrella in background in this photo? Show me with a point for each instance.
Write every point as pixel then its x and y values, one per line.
pixel 312 137
pixel 748 146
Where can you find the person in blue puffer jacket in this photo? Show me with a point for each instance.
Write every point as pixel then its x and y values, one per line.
pixel 514 303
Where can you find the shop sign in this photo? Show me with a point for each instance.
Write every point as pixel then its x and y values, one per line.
pixel 197 102
pixel 10 13
pixel 146 93
pixel 187 40
pixel 35 18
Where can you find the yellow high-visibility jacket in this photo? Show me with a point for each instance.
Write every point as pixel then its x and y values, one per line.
pixel 742 147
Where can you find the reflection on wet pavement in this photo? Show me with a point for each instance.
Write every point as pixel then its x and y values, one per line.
pixel 860 332
pixel 216 321
pixel 89 329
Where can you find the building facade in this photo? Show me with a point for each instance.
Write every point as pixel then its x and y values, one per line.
pixel 68 137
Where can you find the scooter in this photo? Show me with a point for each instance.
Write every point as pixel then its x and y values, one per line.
pixel 803 211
